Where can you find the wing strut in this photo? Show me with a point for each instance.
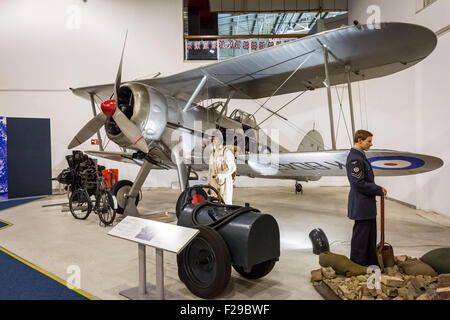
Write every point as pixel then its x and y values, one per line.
pixel 196 92
pixel 350 97
pixel 330 102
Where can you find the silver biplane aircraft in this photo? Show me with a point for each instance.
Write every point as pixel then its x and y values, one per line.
pixel 143 115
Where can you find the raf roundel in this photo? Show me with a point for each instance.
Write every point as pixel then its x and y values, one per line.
pixel 396 163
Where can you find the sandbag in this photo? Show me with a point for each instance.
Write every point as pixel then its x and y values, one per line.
pixel 438 259
pixel 416 267
pixel 341 264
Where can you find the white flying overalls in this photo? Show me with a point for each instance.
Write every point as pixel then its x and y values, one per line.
pixel 222 166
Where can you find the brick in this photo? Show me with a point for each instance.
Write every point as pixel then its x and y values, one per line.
pixel 392 281
pixel 444 280
pixel 365 291
pixel 403 293
pixel 443 293
pixel 390 291
pixel 424 297
pixel 418 284
pixel 328 273
pixel 316 275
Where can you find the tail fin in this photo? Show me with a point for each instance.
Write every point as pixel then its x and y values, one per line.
pixel 313 141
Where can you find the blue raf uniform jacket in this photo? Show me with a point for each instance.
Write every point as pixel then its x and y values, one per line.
pixel 361 199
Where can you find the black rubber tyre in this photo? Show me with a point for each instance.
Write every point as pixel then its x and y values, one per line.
pixel 205 264
pixel 80 204
pixel 120 189
pixel 106 211
pixel 258 271
pixel 298 188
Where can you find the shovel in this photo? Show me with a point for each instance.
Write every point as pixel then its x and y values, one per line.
pixel 385 252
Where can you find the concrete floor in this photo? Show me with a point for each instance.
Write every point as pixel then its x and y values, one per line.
pixel 54 241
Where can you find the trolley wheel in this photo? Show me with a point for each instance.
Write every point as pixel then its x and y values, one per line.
pixel 106 208
pixel 121 188
pixel 298 188
pixel 258 271
pixel 205 264
pixel 80 204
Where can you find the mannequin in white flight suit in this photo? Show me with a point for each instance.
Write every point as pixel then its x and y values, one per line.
pixel 221 168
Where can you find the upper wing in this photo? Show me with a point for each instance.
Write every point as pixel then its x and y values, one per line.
pixel 371 51
pixel 332 163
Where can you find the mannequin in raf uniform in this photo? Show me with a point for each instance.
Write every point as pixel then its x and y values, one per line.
pixel 222 167
pixel 362 206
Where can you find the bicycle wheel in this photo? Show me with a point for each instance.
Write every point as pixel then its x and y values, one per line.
pixel 105 208
pixel 80 204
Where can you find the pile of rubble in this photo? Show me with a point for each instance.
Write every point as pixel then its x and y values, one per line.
pixel 393 284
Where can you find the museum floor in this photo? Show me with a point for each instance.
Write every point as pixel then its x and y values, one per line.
pixel 54 241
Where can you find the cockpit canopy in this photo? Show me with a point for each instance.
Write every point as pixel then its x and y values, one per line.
pixel 243 117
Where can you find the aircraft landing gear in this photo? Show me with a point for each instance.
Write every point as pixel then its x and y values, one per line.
pixel 298 188
pixel 121 191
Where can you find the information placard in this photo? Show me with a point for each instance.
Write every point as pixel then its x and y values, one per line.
pixel 155 234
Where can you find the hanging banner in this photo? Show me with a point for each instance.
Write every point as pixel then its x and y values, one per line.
pixel 237 44
pixel 262 45
pixel 254 45
pixel 246 44
pixel 230 44
pixel 205 45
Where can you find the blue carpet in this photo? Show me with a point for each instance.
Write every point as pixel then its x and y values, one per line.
pixel 19 281
pixel 15 202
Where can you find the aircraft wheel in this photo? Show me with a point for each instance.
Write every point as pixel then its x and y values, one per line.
pixel 258 271
pixel 121 189
pixel 298 188
pixel 205 264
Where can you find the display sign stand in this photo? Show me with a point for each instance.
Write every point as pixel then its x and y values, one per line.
pixel 161 236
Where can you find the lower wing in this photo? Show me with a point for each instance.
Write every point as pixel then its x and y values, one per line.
pixel 306 166
pixel 313 165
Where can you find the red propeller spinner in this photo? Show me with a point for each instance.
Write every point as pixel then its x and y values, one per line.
pixel 108 107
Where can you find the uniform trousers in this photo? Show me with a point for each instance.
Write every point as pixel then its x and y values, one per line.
pixel 364 243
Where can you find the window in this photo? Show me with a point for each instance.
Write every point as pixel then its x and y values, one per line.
pixel 220 36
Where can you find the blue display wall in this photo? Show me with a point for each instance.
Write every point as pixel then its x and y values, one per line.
pixel 3 160
pixel 25 158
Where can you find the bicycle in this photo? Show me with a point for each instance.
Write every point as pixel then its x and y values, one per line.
pixel 104 205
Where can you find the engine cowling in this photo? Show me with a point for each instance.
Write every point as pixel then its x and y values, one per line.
pixel 145 107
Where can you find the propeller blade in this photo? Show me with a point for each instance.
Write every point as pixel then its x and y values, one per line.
pixel 130 130
pixel 119 71
pixel 88 130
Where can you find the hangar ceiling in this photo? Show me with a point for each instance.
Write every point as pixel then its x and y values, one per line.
pixel 271 23
pixel 246 6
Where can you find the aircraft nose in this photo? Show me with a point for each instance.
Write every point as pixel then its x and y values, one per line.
pixel 108 107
